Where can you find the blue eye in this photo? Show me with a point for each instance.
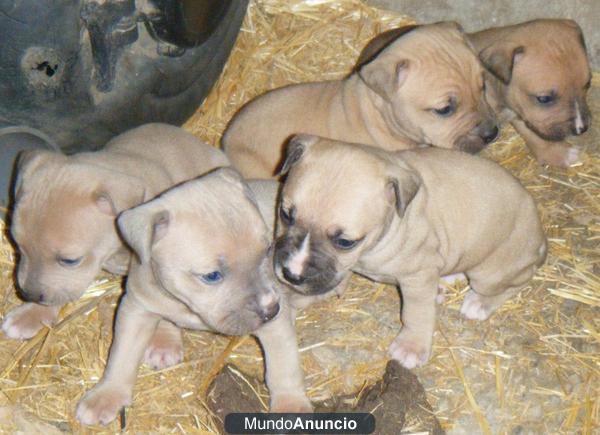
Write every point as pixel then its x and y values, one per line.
pixel 69 262
pixel 545 99
pixel 212 277
pixel 344 244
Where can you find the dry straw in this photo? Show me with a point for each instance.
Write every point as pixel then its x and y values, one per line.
pixel 533 367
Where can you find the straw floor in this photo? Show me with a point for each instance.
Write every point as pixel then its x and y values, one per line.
pixel 534 367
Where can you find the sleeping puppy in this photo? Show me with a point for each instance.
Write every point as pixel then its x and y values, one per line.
pixel 64 220
pixel 205 263
pixel 539 80
pixel 422 85
pixel 405 218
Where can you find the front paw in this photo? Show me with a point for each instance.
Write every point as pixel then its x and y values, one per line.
pixel 290 403
pixel 163 352
pixel 559 154
pixel 410 350
pixel 102 404
pixel 25 321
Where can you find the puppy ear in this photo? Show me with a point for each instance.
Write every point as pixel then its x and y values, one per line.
pixel 500 59
pixel 402 188
pixel 295 149
pixel 143 226
pixel 117 193
pixel 27 161
pixel 384 76
pixel 379 42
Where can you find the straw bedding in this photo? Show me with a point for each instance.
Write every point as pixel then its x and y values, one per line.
pixel 533 367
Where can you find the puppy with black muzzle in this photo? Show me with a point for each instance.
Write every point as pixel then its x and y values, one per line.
pixel 423 85
pixel 63 220
pixel 406 218
pixel 539 80
pixel 205 263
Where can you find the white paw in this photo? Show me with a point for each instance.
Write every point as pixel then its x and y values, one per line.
pixel 102 404
pixel 409 351
pixel 473 307
pixel 297 402
pixel 162 354
pixel 25 321
pixel 572 156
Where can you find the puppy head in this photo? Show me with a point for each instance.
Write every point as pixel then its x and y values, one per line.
pixel 545 69
pixel 336 204
pixel 64 224
pixel 428 84
pixel 208 247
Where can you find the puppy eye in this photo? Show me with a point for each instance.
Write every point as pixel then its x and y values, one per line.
pixel 344 244
pixel 287 216
pixel 69 262
pixel 445 111
pixel 545 100
pixel 214 277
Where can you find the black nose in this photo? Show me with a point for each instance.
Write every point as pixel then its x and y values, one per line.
pixel 490 134
pixel 577 131
pixel 267 313
pixel 292 278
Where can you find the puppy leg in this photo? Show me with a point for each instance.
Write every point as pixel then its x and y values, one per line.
pixel 546 152
pixel 166 348
pixel 26 320
pixel 412 347
pixel 134 328
pixel 284 375
pixel 489 291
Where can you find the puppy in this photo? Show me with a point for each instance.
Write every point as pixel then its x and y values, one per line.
pixel 64 220
pixel 423 85
pixel 539 80
pixel 204 263
pixel 405 218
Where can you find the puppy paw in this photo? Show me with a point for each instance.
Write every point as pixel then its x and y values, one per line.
pixel 474 308
pixel 25 321
pixel 559 154
pixel 409 350
pixel 101 404
pixel 290 403
pixel 164 351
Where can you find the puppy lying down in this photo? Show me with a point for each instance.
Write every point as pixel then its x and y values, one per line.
pixel 405 218
pixel 205 263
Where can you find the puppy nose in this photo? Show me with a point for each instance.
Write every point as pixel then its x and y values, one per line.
pixel 580 129
pixel 270 311
pixel 291 277
pixel 489 134
pixel 32 296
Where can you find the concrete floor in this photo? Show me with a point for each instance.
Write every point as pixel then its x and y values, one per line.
pixel 476 14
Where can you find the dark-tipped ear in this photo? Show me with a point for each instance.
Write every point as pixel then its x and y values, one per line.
pixel 117 193
pixel 143 226
pixel 385 76
pixel 401 189
pixel 499 59
pixel 295 148
pixel 380 42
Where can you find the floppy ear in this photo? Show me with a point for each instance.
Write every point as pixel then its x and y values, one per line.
pixel 499 59
pixel 118 192
pixel 26 162
pixel 384 75
pixel 143 226
pixel 379 42
pixel 295 149
pixel 401 188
